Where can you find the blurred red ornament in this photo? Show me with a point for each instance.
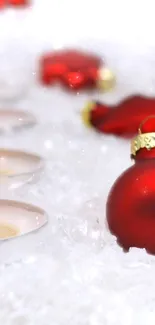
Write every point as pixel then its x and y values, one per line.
pixel 15 3
pixel 130 206
pixel 75 70
pixel 120 120
pixel 2 4
pixel 18 3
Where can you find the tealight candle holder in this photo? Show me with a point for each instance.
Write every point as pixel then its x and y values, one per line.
pixel 18 218
pixel 15 120
pixel 19 167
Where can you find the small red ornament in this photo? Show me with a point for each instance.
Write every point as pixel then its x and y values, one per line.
pixel 18 3
pixel 120 120
pixel 75 70
pixel 130 208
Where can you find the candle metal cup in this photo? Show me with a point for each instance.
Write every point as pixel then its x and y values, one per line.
pixel 18 218
pixel 15 120
pixel 19 167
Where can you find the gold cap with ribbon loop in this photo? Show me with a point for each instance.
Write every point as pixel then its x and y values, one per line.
pixel 85 114
pixel 144 139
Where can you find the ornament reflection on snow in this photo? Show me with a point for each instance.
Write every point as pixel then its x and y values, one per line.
pixel 130 208
pixel 75 70
pixel 15 3
pixel 120 120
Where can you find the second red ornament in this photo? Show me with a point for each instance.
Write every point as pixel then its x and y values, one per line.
pixel 122 119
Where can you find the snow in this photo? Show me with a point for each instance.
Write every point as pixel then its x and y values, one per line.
pixel 72 271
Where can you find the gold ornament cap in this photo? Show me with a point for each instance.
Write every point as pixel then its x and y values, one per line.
pixel 106 79
pixel 145 137
pixel 86 112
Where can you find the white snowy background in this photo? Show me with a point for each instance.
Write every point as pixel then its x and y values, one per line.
pixel 72 271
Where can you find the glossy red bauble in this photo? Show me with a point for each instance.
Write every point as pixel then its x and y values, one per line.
pixel 120 120
pixel 75 70
pixel 130 206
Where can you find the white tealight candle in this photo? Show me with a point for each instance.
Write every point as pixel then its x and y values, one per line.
pixel 17 218
pixel 18 167
pixel 13 120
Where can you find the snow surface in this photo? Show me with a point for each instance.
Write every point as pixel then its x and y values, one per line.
pixel 72 271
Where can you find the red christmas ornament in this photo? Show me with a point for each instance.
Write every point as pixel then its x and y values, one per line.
pixel 75 70
pixel 2 4
pixel 121 120
pixel 130 206
pixel 18 3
